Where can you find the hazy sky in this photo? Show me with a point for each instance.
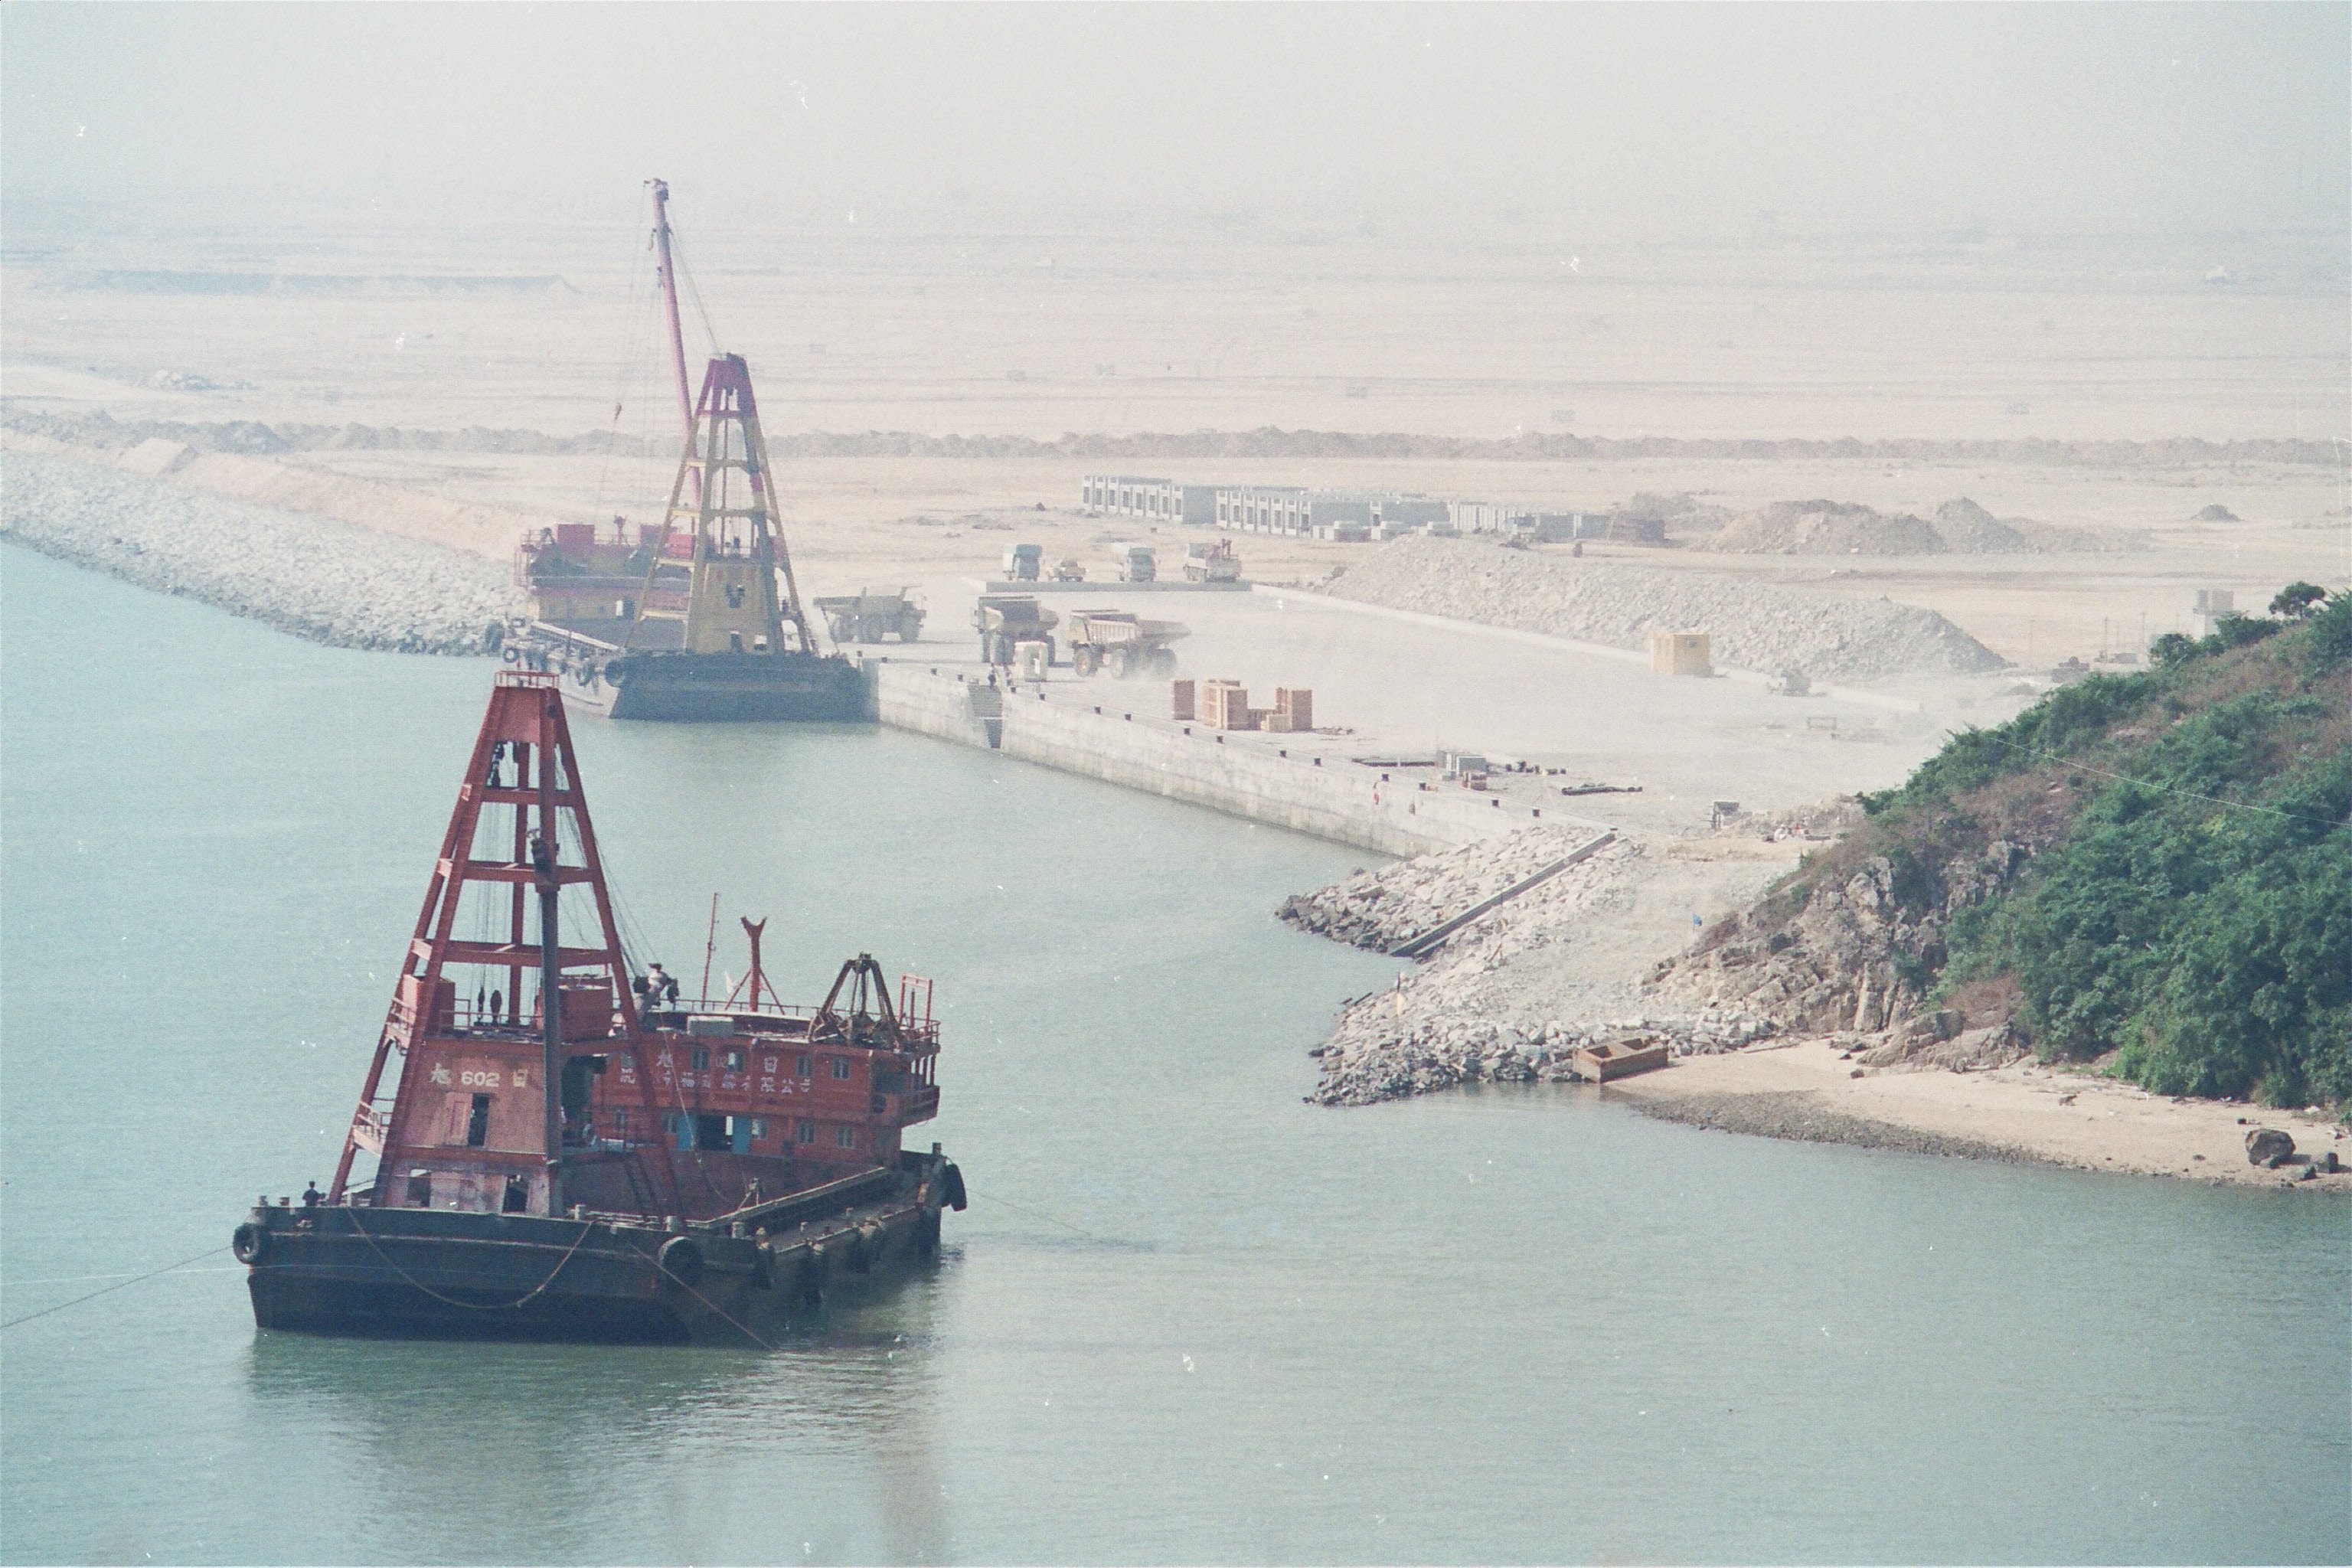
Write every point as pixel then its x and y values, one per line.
pixel 1671 119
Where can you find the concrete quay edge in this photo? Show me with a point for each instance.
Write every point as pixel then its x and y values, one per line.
pixel 1157 757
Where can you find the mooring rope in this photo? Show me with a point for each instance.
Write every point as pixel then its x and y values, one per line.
pixel 94 1295
pixel 739 1327
pixel 542 1285
pixel 585 1227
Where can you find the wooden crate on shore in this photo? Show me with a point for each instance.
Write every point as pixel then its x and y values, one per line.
pixel 1617 1058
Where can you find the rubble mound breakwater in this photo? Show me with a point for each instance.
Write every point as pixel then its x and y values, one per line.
pixel 1462 1017
pixel 325 581
pixel 1754 624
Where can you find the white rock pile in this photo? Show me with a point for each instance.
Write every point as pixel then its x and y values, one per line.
pixel 1754 624
pixel 1485 1007
pixel 1384 908
pixel 319 579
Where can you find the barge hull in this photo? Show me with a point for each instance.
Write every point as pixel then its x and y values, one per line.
pixel 423 1274
pixel 722 687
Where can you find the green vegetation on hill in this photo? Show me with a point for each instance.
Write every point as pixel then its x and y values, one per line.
pixel 2187 904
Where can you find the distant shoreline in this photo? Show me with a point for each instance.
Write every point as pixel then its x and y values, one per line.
pixel 1807 1091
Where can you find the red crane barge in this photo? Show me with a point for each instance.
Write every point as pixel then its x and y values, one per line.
pixel 554 1160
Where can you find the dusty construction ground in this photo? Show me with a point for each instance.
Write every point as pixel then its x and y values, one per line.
pixel 850 330
pixel 1026 336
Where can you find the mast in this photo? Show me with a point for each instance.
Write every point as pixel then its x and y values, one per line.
pixel 550 978
pixel 670 302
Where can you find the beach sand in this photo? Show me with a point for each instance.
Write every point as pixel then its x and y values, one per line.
pixel 1808 1089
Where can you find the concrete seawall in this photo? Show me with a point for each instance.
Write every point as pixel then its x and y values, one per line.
pixel 1340 802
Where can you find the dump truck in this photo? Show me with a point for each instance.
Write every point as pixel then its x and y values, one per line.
pixel 870 617
pixel 1021 563
pixel 1211 562
pixel 1124 644
pixel 1067 570
pixel 1007 620
pixel 1133 564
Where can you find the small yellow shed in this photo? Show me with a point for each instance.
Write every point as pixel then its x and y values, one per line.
pixel 1679 653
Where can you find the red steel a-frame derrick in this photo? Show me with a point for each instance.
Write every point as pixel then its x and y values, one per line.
pixel 488 1148
pixel 722 526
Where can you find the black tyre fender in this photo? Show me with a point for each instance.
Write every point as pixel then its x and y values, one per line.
pixel 250 1244
pixel 681 1259
pixel 512 656
pixel 951 1188
pixel 810 1284
pixel 613 673
pixel 763 1266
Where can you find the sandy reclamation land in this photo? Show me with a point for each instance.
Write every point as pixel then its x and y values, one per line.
pixel 1938 367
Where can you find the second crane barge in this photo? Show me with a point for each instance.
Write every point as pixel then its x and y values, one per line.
pixel 701 618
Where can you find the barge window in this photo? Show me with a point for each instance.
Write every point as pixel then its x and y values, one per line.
pixel 478 1124
pixel 846 1137
pixel 700 1059
pixel 734 1061
pixel 710 1131
pixel 801 1068
pixel 518 1196
pixel 806 1132
pixel 420 1189
pixel 841 1066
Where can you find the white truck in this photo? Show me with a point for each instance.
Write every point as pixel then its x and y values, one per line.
pixel 1133 564
pixel 1211 560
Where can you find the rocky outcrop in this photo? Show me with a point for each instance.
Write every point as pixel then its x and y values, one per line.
pixel 1838 953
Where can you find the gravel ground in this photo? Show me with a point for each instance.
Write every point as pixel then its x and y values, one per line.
pixel 1755 626
pixel 326 581
pixel 1802 1116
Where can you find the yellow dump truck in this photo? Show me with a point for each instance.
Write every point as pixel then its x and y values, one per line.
pixel 1124 644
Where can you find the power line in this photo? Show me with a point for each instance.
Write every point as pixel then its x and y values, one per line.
pixel 678 253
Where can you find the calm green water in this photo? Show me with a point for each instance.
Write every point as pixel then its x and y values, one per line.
pixel 1187 1317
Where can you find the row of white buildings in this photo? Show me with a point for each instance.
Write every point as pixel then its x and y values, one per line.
pixel 1340 514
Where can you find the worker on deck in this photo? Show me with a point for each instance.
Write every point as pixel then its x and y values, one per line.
pixel 312 1197
pixel 654 989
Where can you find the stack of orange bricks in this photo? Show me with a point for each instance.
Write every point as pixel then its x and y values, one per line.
pixel 1225 705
